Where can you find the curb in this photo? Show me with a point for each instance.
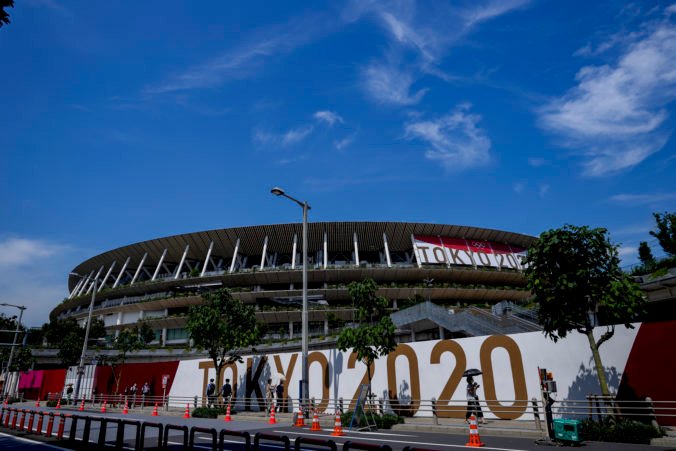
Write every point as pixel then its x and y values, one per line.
pixel 458 430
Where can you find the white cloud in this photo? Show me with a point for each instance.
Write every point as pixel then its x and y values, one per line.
pixel 536 162
pixel 519 187
pixel 613 117
pixel 288 138
pixel 424 34
pixel 543 190
pixel 343 143
pixel 248 58
pixel 34 274
pixel 22 251
pixel 643 199
pixel 296 135
pixel 456 140
pixel 481 12
pixel 329 117
pixel 387 84
pixel 624 251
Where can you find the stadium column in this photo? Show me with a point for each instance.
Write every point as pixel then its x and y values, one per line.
pixel 356 249
pixel 265 250
pixel 234 257
pixel 387 251
pixel 159 265
pixel 180 265
pixel 206 260
pixel 96 277
pixel 138 270
pixel 105 278
pixel 119 276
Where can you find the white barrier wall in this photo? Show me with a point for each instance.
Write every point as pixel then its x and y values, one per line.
pixel 431 369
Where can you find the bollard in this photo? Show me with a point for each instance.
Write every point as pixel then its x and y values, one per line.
pixel 16 416
pixel 38 428
pixel 8 414
pixel 195 403
pixel 62 426
pixel 22 421
pixel 435 417
pixel 29 426
pixel 50 425
pixel 340 404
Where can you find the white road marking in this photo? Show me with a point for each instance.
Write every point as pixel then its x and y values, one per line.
pixel 35 442
pixel 391 434
pixel 406 442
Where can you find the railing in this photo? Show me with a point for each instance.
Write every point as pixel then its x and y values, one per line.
pixel 430 411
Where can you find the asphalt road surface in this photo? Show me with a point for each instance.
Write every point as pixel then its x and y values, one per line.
pixel 397 440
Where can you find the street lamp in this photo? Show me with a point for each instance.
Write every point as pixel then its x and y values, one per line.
pixel 80 368
pixel 11 351
pixel 305 382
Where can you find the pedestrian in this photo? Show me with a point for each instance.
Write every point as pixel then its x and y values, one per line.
pixel 69 393
pixel 473 406
pixel 269 395
pixel 280 396
pixel 132 393
pixel 226 391
pixel 211 393
pixel 145 391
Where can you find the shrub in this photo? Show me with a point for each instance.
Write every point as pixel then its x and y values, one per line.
pixel 385 421
pixel 51 403
pixel 208 412
pixel 622 431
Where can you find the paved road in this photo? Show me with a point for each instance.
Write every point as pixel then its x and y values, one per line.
pixel 395 439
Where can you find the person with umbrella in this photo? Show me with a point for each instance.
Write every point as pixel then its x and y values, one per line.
pixel 473 407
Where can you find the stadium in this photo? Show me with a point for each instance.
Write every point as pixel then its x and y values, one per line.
pixel 455 269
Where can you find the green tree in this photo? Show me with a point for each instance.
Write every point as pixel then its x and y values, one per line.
pixel 67 336
pixel 575 276
pixel 222 326
pixel 666 231
pixel 128 340
pixel 22 359
pixel 374 335
pixel 645 255
pixel 4 15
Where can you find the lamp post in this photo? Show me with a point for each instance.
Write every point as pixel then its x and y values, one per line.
pixel 11 351
pixel 80 368
pixel 305 383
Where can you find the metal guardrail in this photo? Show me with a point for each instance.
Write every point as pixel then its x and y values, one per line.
pixel 594 406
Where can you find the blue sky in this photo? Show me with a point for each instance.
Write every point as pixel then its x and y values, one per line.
pixel 127 121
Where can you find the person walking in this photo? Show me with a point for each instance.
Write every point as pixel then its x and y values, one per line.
pixel 473 407
pixel 211 393
pixel 226 391
pixel 145 392
pixel 269 395
pixel 280 396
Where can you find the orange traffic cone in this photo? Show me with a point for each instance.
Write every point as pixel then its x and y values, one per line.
pixel 272 420
pixel 300 419
pixel 81 409
pixel 187 411
pixel 58 404
pixel 474 439
pixel 125 411
pixel 37 403
pixel 227 414
pixel 103 407
pixel 338 426
pixel 315 423
pixel 155 413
